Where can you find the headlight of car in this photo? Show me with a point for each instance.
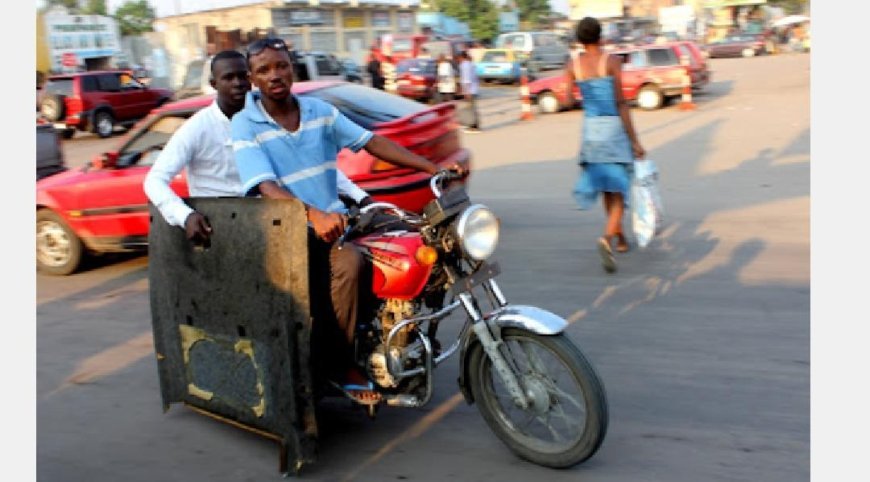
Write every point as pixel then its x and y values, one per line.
pixel 477 230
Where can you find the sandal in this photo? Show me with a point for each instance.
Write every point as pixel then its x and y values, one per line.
pixel 607 259
pixel 354 392
pixel 621 243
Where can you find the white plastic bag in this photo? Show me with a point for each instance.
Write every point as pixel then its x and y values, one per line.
pixel 646 202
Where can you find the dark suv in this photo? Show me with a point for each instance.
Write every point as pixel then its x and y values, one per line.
pixel 97 101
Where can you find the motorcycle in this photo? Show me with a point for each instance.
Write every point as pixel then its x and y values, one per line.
pixel 531 383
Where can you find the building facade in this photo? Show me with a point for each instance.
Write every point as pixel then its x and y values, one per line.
pixel 346 28
pixel 70 43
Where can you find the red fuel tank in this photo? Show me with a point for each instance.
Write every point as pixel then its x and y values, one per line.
pixel 397 274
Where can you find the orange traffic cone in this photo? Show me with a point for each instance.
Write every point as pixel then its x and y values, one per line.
pixel 524 94
pixel 686 101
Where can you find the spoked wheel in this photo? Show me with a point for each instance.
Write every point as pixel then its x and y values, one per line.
pixel 566 420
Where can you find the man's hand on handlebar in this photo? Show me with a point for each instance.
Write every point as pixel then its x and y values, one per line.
pixel 327 226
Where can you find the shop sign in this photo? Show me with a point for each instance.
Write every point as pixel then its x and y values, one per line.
pixel 353 20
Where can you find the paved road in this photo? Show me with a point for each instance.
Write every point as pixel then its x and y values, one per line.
pixel 702 339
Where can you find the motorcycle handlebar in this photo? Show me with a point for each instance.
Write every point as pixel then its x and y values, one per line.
pixel 439 177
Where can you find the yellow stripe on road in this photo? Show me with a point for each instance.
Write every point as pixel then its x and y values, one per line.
pixel 109 362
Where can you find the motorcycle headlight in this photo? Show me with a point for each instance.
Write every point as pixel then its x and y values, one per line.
pixel 477 229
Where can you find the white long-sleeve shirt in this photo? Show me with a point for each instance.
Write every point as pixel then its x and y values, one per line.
pixel 204 146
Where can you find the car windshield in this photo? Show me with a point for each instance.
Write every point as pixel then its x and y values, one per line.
pixel 143 149
pixel 495 57
pixel 416 66
pixel 366 106
pixel 59 86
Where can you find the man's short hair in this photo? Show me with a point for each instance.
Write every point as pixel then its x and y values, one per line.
pixel 225 55
pixel 588 31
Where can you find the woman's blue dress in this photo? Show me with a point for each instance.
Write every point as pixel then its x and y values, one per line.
pixel 606 156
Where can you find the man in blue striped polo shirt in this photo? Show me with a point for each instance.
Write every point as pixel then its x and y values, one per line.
pixel 286 147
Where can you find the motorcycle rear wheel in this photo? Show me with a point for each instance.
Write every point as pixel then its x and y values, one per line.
pixel 525 433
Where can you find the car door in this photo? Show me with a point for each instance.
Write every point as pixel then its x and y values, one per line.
pixel 113 201
pixel 109 93
pixel 634 72
pixel 139 99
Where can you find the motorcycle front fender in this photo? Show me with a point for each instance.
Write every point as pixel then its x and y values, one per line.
pixel 529 318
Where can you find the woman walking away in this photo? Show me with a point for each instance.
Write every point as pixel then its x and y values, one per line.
pixel 609 143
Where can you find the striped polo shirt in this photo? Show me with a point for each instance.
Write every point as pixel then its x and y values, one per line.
pixel 304 161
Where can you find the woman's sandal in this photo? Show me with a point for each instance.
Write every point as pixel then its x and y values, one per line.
pixel 607 259
pixel 621 243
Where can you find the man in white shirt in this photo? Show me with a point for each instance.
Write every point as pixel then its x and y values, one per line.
pixel 446 79
pixel 468 79
pixel 204 146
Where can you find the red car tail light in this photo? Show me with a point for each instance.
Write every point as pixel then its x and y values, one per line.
pixel 74 105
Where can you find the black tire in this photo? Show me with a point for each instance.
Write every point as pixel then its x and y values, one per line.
pixel 53 107
pixel 58 250
pixel 103 124
pixel 594 402
pixel 68 133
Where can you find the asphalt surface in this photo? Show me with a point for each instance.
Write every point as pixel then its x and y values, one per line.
pixel 702 339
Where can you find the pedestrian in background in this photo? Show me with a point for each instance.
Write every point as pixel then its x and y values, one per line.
pixel 446 77
pixel 609 143
pixel 374 69
pixel 470 85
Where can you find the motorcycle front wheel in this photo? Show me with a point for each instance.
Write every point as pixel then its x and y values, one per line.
pixel 566 421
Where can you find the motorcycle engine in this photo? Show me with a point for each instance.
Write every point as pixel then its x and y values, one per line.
pixel 392 312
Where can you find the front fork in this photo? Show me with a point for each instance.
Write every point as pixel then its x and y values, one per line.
pixel 489 335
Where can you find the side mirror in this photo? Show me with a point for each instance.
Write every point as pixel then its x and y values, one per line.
pixel 106 160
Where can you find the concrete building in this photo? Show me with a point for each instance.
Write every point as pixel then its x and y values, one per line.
pixel 346 28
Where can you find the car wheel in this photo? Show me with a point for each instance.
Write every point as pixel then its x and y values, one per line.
pixel 104 124
pixel 68 133
pixel 748 52
pixel 548 103
pixel 650 97
pixel 52 107
pixel 58 250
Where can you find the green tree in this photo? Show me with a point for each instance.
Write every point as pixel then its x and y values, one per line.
pixel 533 10
pixel 480 15
pixel 134 17
pixel 95 7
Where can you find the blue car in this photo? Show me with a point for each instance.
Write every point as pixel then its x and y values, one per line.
pixel 501 65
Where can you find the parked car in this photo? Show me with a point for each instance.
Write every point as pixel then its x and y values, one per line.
pixel 542 50
pixel 698 67
pixel 97 101
pixel 651 75
pixel 49 155
pixel 352 71
pixel 738 45
pixel 499 65
pixel 415 79
pixel 103 208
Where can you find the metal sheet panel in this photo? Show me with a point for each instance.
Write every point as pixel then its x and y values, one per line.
pixel 231 322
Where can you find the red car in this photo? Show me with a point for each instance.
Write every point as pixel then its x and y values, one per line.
pixel 97 101
pixel 651 75
pixel 103 208
pixel 415 79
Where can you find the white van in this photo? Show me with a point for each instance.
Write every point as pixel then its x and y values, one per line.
pixel 544 50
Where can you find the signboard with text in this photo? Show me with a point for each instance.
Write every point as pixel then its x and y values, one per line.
pixel 71 39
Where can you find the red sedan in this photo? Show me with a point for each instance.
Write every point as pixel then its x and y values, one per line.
pixel 415 79
pixel 103 208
